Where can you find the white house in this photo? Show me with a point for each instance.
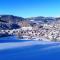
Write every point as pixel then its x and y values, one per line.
pixel 26 28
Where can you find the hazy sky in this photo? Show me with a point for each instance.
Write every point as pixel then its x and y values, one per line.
pixel 29 8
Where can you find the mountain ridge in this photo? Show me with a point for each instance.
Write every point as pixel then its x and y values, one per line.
pixel 7 21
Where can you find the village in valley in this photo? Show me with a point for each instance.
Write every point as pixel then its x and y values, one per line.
pixel 32 29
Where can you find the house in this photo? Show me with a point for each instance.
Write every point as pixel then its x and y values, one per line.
pixel 26 28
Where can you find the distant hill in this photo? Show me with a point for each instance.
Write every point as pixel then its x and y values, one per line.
pixel 10 21
pixel 43 19
pixel 13 22
pixel 11 18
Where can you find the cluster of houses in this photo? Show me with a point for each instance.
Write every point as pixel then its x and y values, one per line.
pixel 45 32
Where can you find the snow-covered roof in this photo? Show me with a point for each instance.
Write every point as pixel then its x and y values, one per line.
pixel 26 28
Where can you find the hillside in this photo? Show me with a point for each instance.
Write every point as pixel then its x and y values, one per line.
pixel 14 22
pixel 9 21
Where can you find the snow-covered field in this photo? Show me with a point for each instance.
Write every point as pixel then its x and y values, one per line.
pixel 29 50
pixel 9 45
